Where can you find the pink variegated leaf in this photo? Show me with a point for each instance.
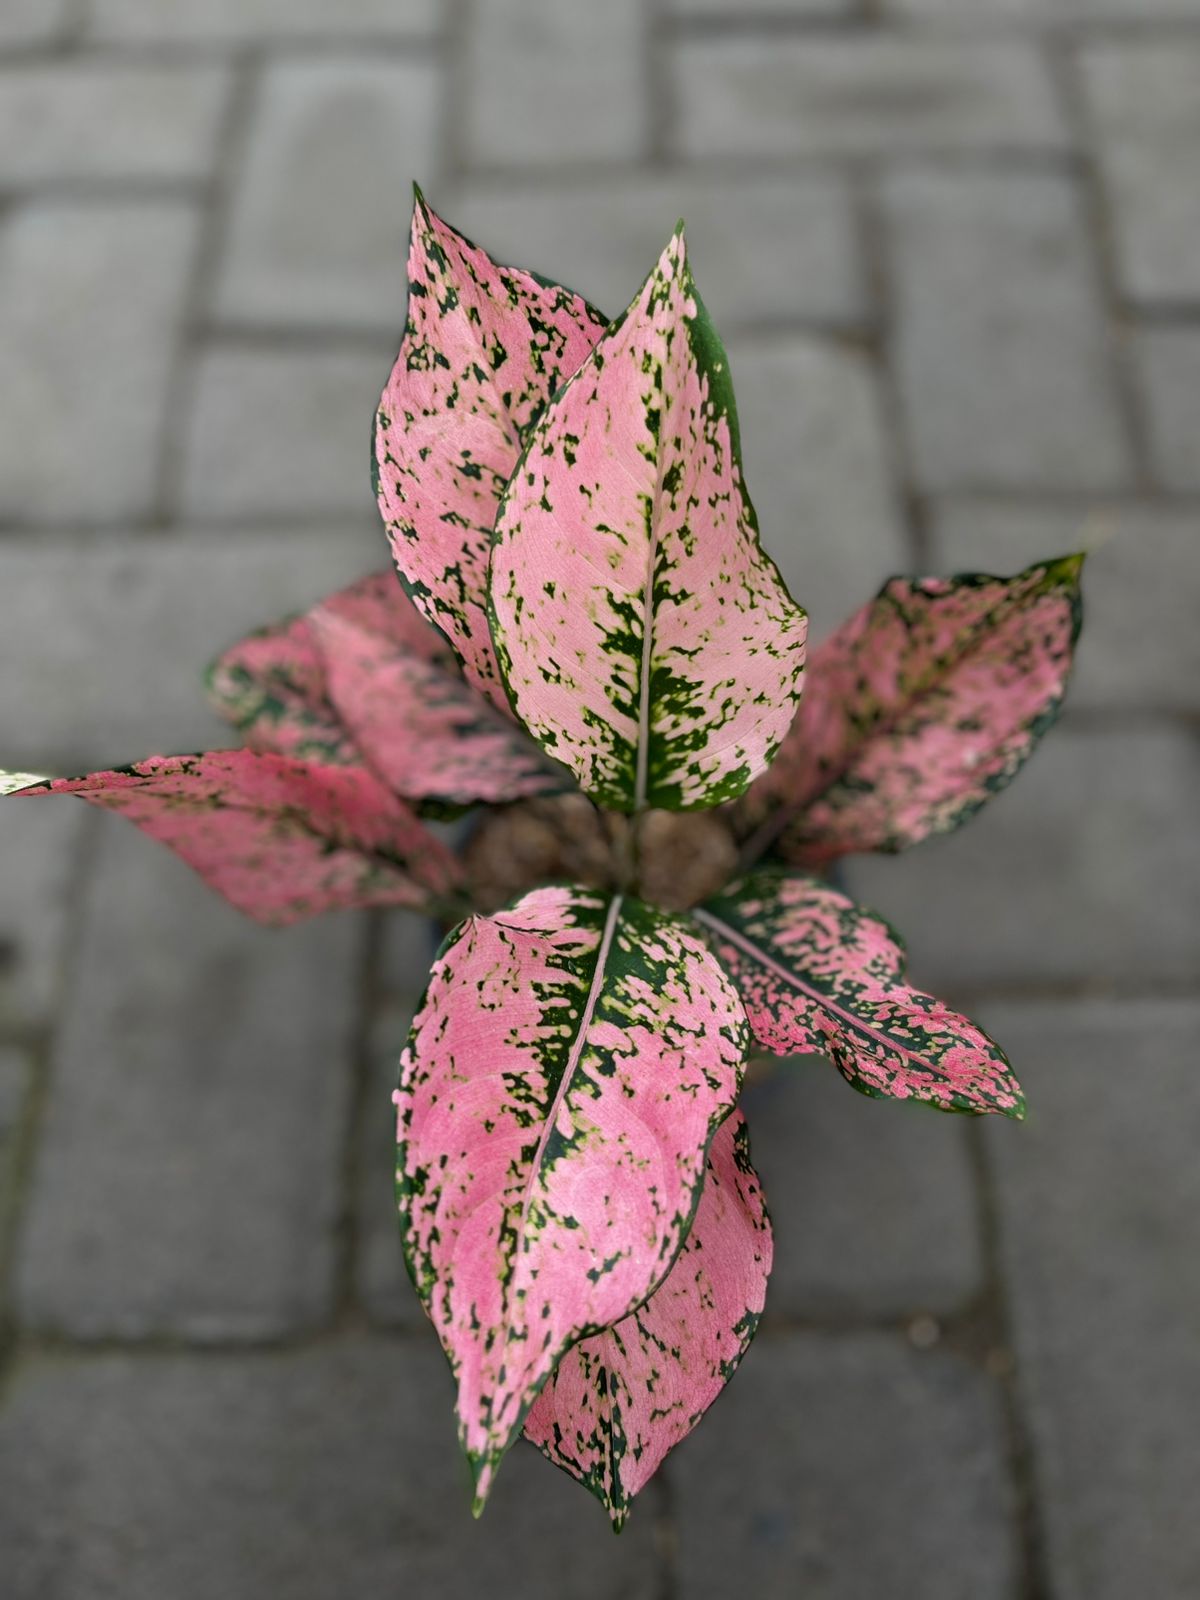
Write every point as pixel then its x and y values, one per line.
pixel 919 708
pixel 484 348
pixel 620 1400
pixel 422 728
pixel 379 605
pixel 818 973
pixel 272 685
pixel 570 1062
pixel 280 838
pixel 647 640
pixel 271 688
pixel 363 679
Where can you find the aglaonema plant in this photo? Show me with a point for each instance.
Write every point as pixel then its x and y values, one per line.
pixel 590 650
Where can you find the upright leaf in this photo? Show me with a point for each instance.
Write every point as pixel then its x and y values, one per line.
pixel 565 1073
pixel 280 838
pixel 918 709
pixel 484 348
pixel 620 1400
pixel 818 973
pixel 647 640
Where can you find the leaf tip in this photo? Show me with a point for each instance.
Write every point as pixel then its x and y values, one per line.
pixel 422 212
pixel 1069 566
pixel 483 1473
pixel 672 266
pixel 14 782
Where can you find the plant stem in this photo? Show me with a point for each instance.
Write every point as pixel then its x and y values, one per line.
pixel 764 836
pixel 622 833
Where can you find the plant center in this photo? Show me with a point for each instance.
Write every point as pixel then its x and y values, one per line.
pixel 672 859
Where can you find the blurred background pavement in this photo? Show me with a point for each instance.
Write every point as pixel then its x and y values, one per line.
pixel 955 248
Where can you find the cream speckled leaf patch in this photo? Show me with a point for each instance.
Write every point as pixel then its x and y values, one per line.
pixel 567 1069
pixel 647 640
pixel 14 782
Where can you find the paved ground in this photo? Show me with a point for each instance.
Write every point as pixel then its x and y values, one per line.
pixel 955 245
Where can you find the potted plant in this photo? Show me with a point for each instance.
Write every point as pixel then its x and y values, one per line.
pixel 590 652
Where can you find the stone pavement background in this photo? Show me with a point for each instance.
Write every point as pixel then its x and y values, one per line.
pixel 955 247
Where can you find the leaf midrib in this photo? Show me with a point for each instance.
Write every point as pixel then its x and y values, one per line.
pixel 568 1072
pixel 756 953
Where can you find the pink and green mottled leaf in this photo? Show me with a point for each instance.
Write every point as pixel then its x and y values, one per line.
pixel 362 679
pixel 647 640
pixel 620 1400
pixel 818 973
pixel 484 348
pixel 919 708
pixel 378 605
pixel 570 1062
pixel 423 729
pixel 271 688
pixel 280 838
pixel 272 685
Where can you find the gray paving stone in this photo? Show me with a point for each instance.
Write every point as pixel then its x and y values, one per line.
pixel 1098 1199
pixel 39 865
pixel 722 10
pixel 1002 353
pixel 871 1201
pixel 1139 647
pixel 188 1176
pixel 104 641
pixel 1086 871
pixel 1169 361
pixel 16 1079
pixel 381 1280
pixel 33 22
pixel 546 83
pixel 80 119
pixel 281 434
pixel 319 227
pixel 845 1468
pixel 990 12
pixel 90 296
pixel 1146 113
pixel 764 249
pixel 220 21
pixel 408 947
pixel 330 1472
pixel 878 94
pixel 16 1088
pixel 818 467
